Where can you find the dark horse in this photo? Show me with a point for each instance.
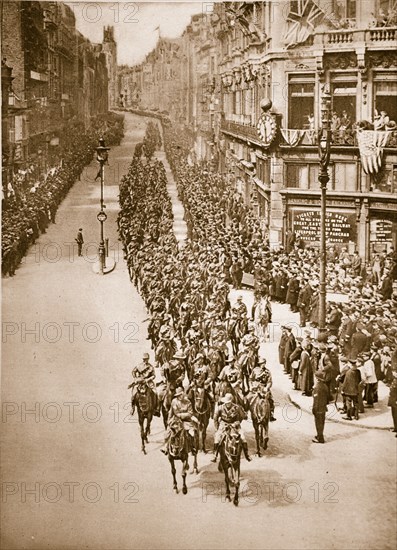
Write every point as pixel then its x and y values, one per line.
pixel 145 403
pixel 237 329
pixel 178 448
pixel 230 456
pixel 259 405
pixel 246 361
pixel 202 408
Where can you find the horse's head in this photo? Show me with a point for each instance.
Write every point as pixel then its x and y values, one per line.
pixel 176 440
pixel 233 444
pixel 199 398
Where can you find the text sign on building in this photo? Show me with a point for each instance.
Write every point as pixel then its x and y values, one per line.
pixel 381 231
pixel 339 227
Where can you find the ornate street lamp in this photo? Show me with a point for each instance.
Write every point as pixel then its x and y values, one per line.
pixel 102 157
pixel 324 149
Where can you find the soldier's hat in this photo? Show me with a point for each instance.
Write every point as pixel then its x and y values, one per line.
pixel 145 356
pixel 179 391
pixel 179 355
pixel 198 357
pixel 227 398
pixel 261 361
pixel 229 360
pixel 194 323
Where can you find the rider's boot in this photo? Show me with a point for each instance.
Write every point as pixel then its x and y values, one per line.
pixel 245 449
pixel 272 417
pixel 216 446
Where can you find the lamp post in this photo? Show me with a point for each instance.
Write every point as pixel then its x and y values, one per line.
pixel 324 148
pixel 102 157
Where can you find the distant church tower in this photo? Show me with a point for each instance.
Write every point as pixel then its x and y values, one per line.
pixel 109 48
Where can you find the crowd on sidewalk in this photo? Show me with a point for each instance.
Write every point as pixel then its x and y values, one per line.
pixel 34 198
pixel 225 240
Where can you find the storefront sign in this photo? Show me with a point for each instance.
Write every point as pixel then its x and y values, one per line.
pixel 339 227
pixel 381 231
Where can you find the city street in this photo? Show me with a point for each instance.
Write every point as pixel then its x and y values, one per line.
pixel 73 474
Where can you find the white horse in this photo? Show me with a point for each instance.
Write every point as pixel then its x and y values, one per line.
pixel 262 318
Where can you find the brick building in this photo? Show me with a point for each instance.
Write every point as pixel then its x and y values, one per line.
pixel 57 76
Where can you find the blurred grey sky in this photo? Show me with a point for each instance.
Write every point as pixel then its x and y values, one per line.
pixel 134 23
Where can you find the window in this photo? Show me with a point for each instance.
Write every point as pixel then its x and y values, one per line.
pixel 313 176
pixel 345 9
pixel 298 176
pixel 237 102
pixel 385 95
pixel 300 101
pixel 345 176
pixel 302 176
pixel 387 182
pixel 344 96
pixel 263 170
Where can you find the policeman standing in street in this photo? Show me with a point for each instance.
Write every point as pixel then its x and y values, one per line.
pixel 320 401
pixel 80 241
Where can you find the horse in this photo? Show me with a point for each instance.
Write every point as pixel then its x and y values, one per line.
pixel 153 330
pixel 191 352
pixel 246 361
pixel 230 456
pixel 262 318
pixel 202 408
pixel 145 403
pixel 237 329
pixel 259 405
pixel 178 448
pixel 216 360
pixel 165 350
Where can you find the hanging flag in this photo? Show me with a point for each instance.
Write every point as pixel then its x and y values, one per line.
pixel 371 144
pixel 292 137
pixel 303 17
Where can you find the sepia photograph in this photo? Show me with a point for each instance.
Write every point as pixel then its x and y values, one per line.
pixel 199 275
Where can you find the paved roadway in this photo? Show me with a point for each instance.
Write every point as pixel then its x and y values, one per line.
pixel 80 452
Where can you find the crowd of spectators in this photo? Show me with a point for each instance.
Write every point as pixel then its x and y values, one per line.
pixel 34 197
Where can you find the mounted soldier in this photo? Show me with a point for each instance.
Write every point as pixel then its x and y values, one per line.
pixel 230 381
pixel 261 382
pixel 144 373
pixel 229 415
pixel 181 408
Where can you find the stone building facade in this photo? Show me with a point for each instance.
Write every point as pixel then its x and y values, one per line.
pixel 250 86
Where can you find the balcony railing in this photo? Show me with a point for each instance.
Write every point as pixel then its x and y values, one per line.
pixel 239 128
pixel 350 36
pixel 341 138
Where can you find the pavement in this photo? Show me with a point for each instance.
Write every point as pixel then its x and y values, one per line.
pixel 73 474
pixel 378 418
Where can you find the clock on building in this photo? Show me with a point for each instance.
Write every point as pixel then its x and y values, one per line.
pixel 267 128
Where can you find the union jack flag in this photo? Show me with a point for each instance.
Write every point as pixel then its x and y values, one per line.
pixel 302 18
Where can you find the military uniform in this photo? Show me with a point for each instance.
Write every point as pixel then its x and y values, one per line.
pixel 181 408
pixel 320 400
pixel 226 415
pixel 261 379
pixel 144 372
